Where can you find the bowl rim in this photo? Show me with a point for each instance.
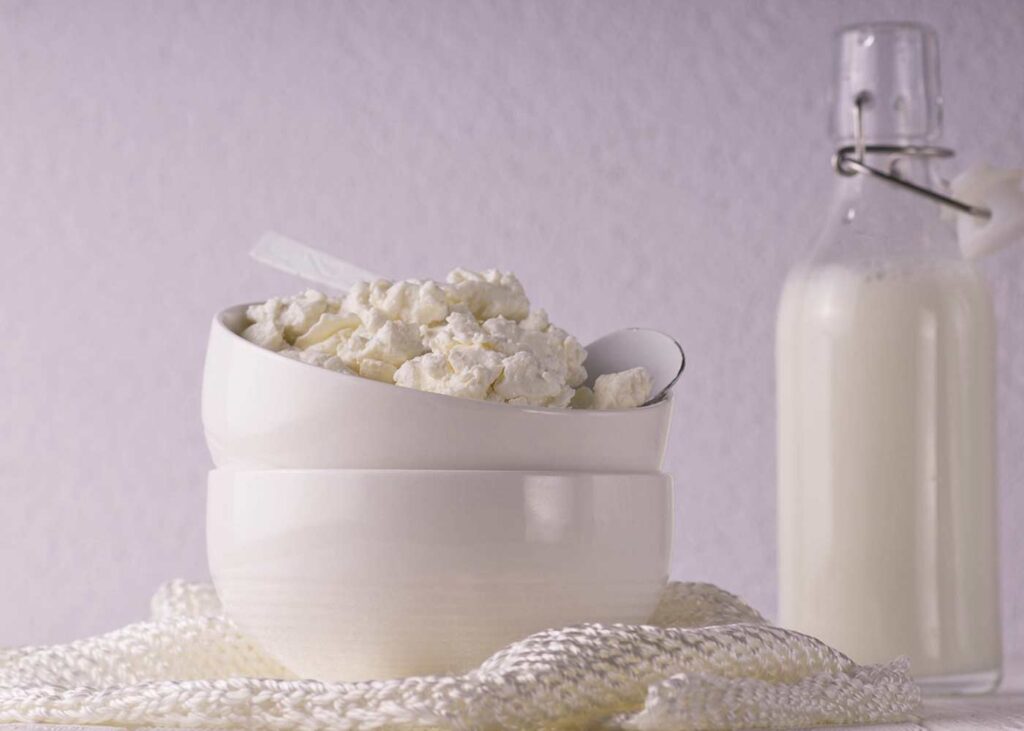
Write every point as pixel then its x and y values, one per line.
pixel 550 411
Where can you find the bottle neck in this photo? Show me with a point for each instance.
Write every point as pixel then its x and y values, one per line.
pixel 887 92
pixel 871 219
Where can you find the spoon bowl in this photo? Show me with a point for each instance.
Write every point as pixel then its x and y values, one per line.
pixel 621 350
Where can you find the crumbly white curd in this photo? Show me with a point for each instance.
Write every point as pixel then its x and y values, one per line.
pixel 472 336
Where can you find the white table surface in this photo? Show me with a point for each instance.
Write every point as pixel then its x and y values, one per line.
pixel 1001 710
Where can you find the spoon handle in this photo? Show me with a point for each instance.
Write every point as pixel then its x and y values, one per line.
pixel 288 255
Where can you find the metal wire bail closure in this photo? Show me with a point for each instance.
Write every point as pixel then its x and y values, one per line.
pixel 849 160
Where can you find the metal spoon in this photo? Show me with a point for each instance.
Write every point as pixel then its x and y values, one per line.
pixel 621 350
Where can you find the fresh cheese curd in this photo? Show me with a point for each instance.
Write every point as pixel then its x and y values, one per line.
pixel 473 336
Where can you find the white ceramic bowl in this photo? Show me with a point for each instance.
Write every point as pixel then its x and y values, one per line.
pixel 265 411
pixel 363 574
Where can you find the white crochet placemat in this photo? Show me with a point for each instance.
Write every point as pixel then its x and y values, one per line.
pixel 705 661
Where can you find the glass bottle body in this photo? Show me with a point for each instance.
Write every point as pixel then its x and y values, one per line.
pixel 885 358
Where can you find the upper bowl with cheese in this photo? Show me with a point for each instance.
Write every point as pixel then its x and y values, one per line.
pixel 473 336
pixel 420 375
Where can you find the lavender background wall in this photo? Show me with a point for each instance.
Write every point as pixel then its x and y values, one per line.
pixel 656 163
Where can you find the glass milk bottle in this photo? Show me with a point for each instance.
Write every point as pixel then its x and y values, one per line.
pixel 886 375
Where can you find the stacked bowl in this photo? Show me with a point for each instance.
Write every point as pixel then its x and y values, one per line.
pixel 358 530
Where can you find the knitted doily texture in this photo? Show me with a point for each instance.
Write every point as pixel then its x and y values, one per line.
pixel 705 660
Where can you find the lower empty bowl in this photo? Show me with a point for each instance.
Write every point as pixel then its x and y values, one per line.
pixel 371 574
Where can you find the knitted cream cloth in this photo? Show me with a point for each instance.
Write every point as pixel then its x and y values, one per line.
pixel 705 661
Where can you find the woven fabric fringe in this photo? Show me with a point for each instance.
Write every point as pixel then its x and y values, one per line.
pixel 705 661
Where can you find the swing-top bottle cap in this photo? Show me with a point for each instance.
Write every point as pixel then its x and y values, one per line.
pixel 893 69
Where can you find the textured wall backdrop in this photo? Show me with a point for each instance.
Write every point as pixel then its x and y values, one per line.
pixel 655 163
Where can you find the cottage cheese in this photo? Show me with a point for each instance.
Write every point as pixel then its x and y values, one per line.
pixel 622 390
pixel 473 336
